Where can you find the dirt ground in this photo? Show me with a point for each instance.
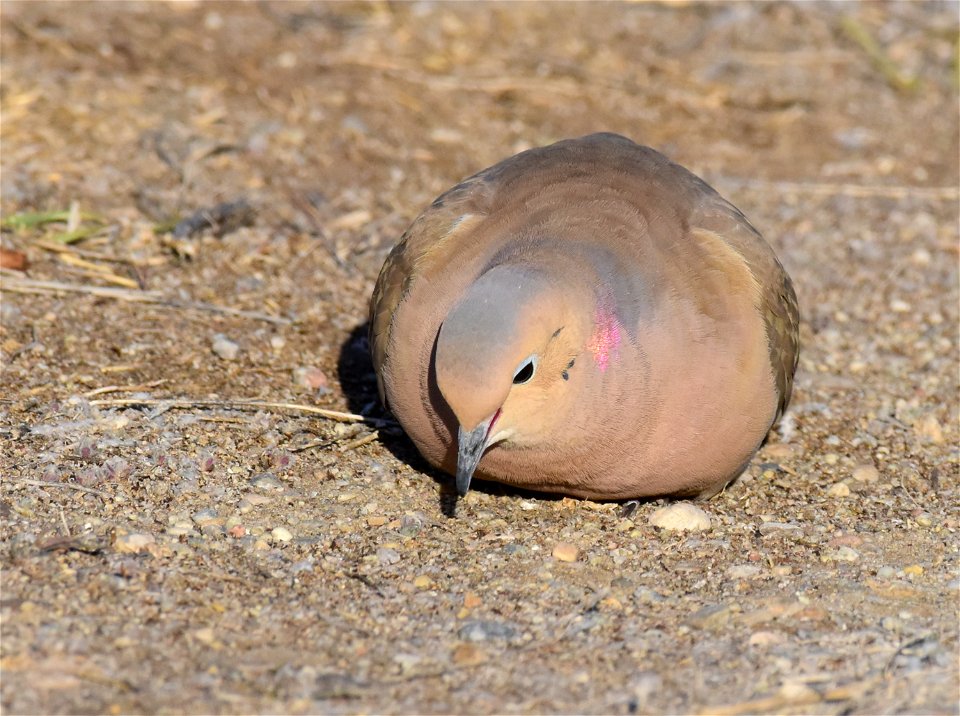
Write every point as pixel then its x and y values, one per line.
pixel 183 553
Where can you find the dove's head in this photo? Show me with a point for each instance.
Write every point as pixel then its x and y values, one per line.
pixel 505 361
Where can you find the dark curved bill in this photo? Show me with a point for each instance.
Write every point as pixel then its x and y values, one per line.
pixel 470 446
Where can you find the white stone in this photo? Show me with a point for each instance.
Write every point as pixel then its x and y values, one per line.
pixel 681 516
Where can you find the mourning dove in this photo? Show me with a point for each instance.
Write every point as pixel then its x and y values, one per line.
pixel 586 318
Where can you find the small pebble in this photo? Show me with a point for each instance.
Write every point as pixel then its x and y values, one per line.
pixel 407 662
pixel 839 489
pixel 266 481
pixel 377 520
pixel 924 519
pixel 767 638
pixel 386 555
pixel 468 655
pixel 281 534
pixel 770 528
pixel 484 630
pixel 893 624
pixel 846 554
pixel 423 582
pixel 134 542
pixel 206 517
pixel 681 516
pixel 886 572
pixel 471 600
pixel 204 635
pixel 645 595
pixel 865 473
pixel 900 306
pixel 779 451
pixel 225 348
pixel 410 525
pixel 914 570
pixel 928 428
pixel 565 552
pixel 179 529
pixel 743 571
pixel 310 377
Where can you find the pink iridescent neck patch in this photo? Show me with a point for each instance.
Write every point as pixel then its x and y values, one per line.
pixel 605 339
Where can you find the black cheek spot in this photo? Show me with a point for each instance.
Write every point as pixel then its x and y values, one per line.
pixel 570 364
pixel 566 376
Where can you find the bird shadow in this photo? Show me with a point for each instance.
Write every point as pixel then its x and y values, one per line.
pixel 359 384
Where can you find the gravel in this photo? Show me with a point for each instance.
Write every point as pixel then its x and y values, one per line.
pixel 181 554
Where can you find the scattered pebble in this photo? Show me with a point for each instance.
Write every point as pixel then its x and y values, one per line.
pixel 310 377
pixel 377 520
pixel 134 542
pixel 886 573
pixel 485 630
pixel 865 473
pixel 924 519
pixel 471 600
pixel 681 516
pixel 767 638
pixel 645 595
pixel 779 451
pixel 928 428
pixel 713 616
pixel 410 525
pixel 225 348
pixel 423 581
pixel 788 528
pixel 743 571
pixel 180 528
pixel 266 481
pixel 206 517
pixel 914 570
pixel 846 554
pixel 565 552
pixel 386 555
pixel 204 635
pixel 893 624
pixel 281 534
pixel 407 662
pixel 468 655
pixel 839 489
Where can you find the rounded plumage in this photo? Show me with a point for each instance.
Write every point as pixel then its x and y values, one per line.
pixel 586 318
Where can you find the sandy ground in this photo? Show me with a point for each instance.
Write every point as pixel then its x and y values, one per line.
pixel 203 556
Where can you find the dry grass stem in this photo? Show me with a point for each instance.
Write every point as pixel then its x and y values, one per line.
pixel 368 438
pixel 22 285
pixel 123 388
pixel 240 405
pixel 66 486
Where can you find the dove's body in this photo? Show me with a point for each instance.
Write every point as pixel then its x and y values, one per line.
pixel 660 327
